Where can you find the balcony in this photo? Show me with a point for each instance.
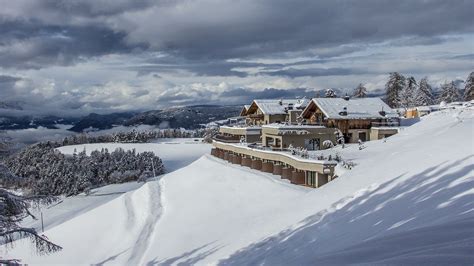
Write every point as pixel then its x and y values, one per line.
pixel 386 124
pixel 284 156
pixel 256 116
pixel 226 138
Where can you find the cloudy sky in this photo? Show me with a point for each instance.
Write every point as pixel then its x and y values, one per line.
pixel 76 57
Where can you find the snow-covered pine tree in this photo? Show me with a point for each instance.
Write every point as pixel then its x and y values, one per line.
pixel 330 94
pixel 393 87
pixel 449 92
pixel 13 209
pixel 360 91
pixel 424 94
pixel 339 137
pixel 406 95
pixel 469 88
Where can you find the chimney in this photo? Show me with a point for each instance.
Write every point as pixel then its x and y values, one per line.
pixel 382 113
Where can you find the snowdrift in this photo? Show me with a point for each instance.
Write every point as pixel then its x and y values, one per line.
pixel 409 200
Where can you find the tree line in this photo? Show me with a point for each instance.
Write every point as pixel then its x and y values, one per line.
pixel 40 169
pixel 133 136
pixel 403 92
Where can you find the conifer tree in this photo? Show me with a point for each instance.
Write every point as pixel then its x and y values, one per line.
pixel 469 88
pixel 360 91
pixel 449 92
pixel 406 96
pixel 393 87
pixel 330 94
pixel 424 94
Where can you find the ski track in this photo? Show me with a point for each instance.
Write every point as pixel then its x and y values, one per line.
pixel 155 212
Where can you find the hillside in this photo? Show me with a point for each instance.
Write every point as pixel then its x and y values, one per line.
pixel 190 117
pixel 408 200
pixel 100 122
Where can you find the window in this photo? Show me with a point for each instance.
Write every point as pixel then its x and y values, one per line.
pixel 312 144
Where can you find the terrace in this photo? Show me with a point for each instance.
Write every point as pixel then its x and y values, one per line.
pixel 236 133
pixel 299 168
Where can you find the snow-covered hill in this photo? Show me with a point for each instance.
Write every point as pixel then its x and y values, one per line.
pixel 408 200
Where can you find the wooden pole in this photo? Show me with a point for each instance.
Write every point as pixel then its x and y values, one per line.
pixel 42 223
pixel 153 168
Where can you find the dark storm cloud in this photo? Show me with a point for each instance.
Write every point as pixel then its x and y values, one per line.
pixel 238 96
pixel 141 92
pixel 254 28
pixel 237 69
pixel 221 29
pixel 7 81
pixel 7 84
pixel 245 95
pixel 313 72
pixel 28 44
pixel 198 67
pixel 94 8
pixel 183 43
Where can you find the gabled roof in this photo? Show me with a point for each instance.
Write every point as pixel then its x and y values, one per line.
pixel 244 110
pixel 357 108
pixel 276 106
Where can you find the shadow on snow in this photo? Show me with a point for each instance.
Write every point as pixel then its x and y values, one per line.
pixel 419 218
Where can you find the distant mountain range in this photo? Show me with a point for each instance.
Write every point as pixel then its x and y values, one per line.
pixel 100 122
pixel 190 117
pixel 28 121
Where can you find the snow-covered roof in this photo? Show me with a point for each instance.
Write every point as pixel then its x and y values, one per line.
pixel 279 106
pixel 284 126
pixel 424 108
pixel 357 108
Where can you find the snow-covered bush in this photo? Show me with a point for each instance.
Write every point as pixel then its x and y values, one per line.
pixel 348 164
pixel 361 145
pixel 339 137
pixel 327 144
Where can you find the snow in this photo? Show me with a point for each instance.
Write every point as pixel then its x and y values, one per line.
pixel 356 108
pixel 169 150
pixel 284 126
pixel 408 200
pixel 272 107
pixel 249 130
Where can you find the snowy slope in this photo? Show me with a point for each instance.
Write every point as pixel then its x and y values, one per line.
pixel 71 207
pixel 408 200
